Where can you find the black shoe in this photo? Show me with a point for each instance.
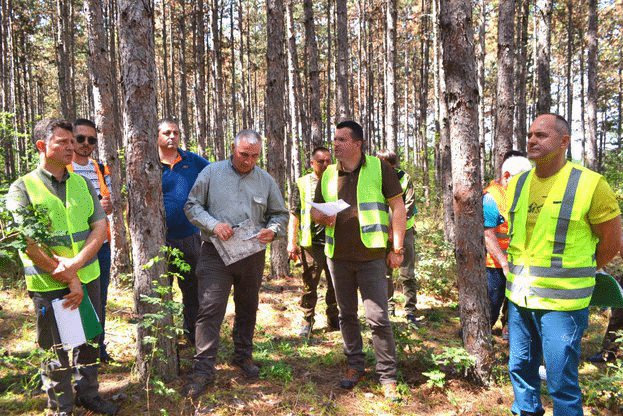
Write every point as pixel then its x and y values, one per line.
pixel 249 369
pixel 198 385
pixel 306 329
pixel 412 321
pixel 351 378
pixel 97 405
pixel 602 357
pixel 334 323
pixel 105 358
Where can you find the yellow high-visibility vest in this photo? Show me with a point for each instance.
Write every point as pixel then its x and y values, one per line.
pixel 306 191
pixel 372 208
pixel 556 269
pixel 70 227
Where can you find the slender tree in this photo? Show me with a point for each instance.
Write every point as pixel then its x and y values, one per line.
pixel 505 89
pixel 275 122
pixel 543 55
pixel 342 104
pixel 391 106
pixel 591 90
pixel 462 98
pixel 313 75
pixel 146 206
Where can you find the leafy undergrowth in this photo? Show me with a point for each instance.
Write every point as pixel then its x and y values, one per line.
pixel 297 377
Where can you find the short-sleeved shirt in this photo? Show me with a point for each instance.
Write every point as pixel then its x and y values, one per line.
pixel 490 211
pixel 18 196
pixel 604 206
pixel 348 244
pixel 317 230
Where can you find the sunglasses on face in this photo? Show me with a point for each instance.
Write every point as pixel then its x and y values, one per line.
pixel 81 138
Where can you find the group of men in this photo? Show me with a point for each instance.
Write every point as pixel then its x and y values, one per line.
pixel 545 264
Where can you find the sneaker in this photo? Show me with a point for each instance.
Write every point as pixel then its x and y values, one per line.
pixel 602 357
pixel 333 323
pixel 542 373
pixel 391 392
pixel 306 329
pixel 198 385
pixel 351 378
pixel 412 321
pixel 105 358
pixel 97 405
pixel 248 368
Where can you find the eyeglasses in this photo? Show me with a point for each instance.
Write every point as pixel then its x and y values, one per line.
pixel 81 138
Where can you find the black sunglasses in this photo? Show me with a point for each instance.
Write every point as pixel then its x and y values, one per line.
pixel 81 138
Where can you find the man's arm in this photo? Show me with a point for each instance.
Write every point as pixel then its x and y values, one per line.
pixel 293 228
pixel 494 249
pixel 195 211
pixel 609 234
pixel 398 225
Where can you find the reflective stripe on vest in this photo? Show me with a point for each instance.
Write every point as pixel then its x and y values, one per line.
pixel 69 225
pixel 306 191
pixel 498 193
pixel 556 270
pixel 373 212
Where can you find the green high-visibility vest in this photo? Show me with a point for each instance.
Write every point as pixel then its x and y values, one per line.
pixel 70 227
pixel 556 269
pixel 307 186
pixel 372 209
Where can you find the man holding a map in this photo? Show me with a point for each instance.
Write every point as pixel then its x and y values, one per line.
pixel 239 209
pixel 78 224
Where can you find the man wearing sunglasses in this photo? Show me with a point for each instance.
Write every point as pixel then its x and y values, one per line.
pixel 85 142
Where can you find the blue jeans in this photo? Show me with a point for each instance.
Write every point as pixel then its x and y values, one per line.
pixel 103 257
pixel 554 336
pixel 496 284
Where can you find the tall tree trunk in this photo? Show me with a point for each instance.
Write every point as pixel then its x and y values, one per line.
pixel 425 41
pixel 146 212
pixel 543 39
pixel 462 97
pixel 63 58
pixel 199 90
pixel 569 74
pixel 165 64
pixel 234 112
pixel 217 77
pixel 101 77
pixel 591 91
pixel 391 108
pixel 482 54
pixel 520 95
pixel 275 123
pixel 582 96
pixel 342 103
pixel 329 59
pixel 313 75
pixel 296 135
pixel 505 90
pixel 185 123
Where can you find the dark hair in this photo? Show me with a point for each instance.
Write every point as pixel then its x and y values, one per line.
pixel 562 126
pixel 167 121
pixel 355 128
pixel 512 153
pixel 319 149
pixel 84 122
pixel 388 156
pixel 44 129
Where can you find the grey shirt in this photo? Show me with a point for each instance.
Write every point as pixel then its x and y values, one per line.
pixel 221 194
pixel 17 196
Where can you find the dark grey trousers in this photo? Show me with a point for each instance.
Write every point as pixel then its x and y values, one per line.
pixel 214 283
pixel 56 369
pixel 369 277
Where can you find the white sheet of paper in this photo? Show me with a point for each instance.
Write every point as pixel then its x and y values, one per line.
pixel 69 325
pixel 330 208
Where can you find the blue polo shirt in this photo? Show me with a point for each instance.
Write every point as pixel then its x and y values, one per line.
pixel 177 181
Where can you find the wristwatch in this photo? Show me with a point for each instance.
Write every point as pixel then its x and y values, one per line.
pixel 400 251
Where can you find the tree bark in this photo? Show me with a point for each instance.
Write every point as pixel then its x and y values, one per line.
pixel 543 36
pixel 296 135
pixel 520 123
pixel 591 90
pixel 313 75
pixel 391 109
pixel 462 98
pixel 217 77
pixel 342 103
pixel 101 77
pixel 146 212
pixel 185 123
pixel 275 110
pixel 505 90
pixel 63 58
pixel 199 90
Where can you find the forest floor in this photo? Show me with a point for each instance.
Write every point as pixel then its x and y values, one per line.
pixel 297 377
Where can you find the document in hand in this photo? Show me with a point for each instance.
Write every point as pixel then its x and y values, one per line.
pixel 607 292
pixel 330 208
pixel 76 326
